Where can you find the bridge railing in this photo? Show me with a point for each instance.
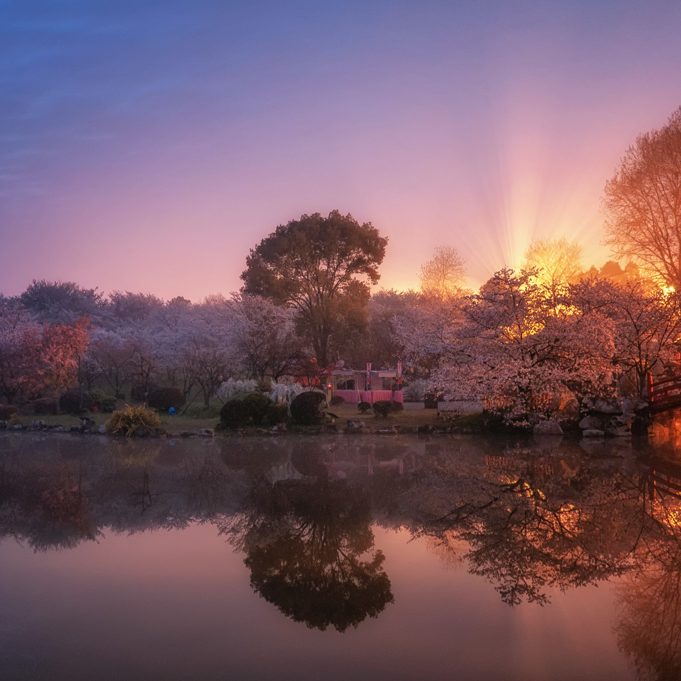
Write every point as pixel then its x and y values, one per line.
pixel 664 392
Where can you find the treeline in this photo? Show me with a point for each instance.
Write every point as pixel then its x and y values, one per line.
pixel 57 336
pixel 527 344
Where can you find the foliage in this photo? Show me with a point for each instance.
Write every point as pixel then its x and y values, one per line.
pixel 337 399
pixel 97 396
pixel 61 301
pixel 641 203
pixel 310 551
pixel 383 408
pixel 421 331
pixel 364 407
pixel 258 406
pixel 7 411
pixel 165 398
pixel 108 404
pixel 646 322
pixel 306 409
pixel 378 343
pixel 248 409
pixel 134 307
pixel 397 406
pixel 277 413
pixel 140 392
pixel 19 334
pixel 445 275
pixel 46 358
pixel 206 359
pixel 70 402
pixel 313 265
pixel 128 421
pixel 511 342
pixel 265 337
pixel 113 356
pixel 44 406
pixel 235 414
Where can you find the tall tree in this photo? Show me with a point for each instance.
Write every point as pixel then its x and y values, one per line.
pixel 642 204
pixel 445 275
pixel 323 268
pixel 646 322
pixel 558 262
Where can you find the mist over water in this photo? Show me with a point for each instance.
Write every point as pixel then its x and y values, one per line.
pixel 328 557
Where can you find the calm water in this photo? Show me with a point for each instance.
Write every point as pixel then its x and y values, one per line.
pixel 343 558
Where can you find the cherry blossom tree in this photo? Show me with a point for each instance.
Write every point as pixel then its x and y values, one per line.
pixel 646 322
pixel 112 354
pixel 17 329
pixel 265 337
pixel 510 343
pixel 61 301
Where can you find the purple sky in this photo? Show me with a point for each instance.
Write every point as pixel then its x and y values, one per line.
pixel 147 146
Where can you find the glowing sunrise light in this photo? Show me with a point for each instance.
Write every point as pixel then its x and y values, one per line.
pixel 529 194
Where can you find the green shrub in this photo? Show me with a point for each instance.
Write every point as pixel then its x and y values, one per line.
pixel 128 421
pixel 97 396
pixel 306 409
pixel 383 408
pixel 277 413
pixel 258 405
pixel 108 404
pixel 364 407
pixel 165 398
pixel 337 399
pixel 69 402
pixel 44 406
pixel 235 414
pixel 7 411
pixel 398 406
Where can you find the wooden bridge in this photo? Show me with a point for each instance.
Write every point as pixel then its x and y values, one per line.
pixel 664 393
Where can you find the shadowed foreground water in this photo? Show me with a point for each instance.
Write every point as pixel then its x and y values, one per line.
pixel 363 558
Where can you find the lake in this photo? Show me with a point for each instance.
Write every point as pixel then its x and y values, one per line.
pixel 343 557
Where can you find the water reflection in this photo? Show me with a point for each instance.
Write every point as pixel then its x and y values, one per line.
pixel 527 518
pixel 310 550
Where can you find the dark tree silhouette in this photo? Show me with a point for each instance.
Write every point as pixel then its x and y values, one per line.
pixel 310 552
pixel 323 268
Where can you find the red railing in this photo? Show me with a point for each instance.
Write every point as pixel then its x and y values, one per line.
pixel 664 393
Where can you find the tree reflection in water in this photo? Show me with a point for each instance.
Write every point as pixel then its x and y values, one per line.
pixel 310 548
pixel 527 518
pixel 649 627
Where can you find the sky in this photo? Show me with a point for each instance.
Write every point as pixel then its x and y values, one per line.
pixel 147 146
